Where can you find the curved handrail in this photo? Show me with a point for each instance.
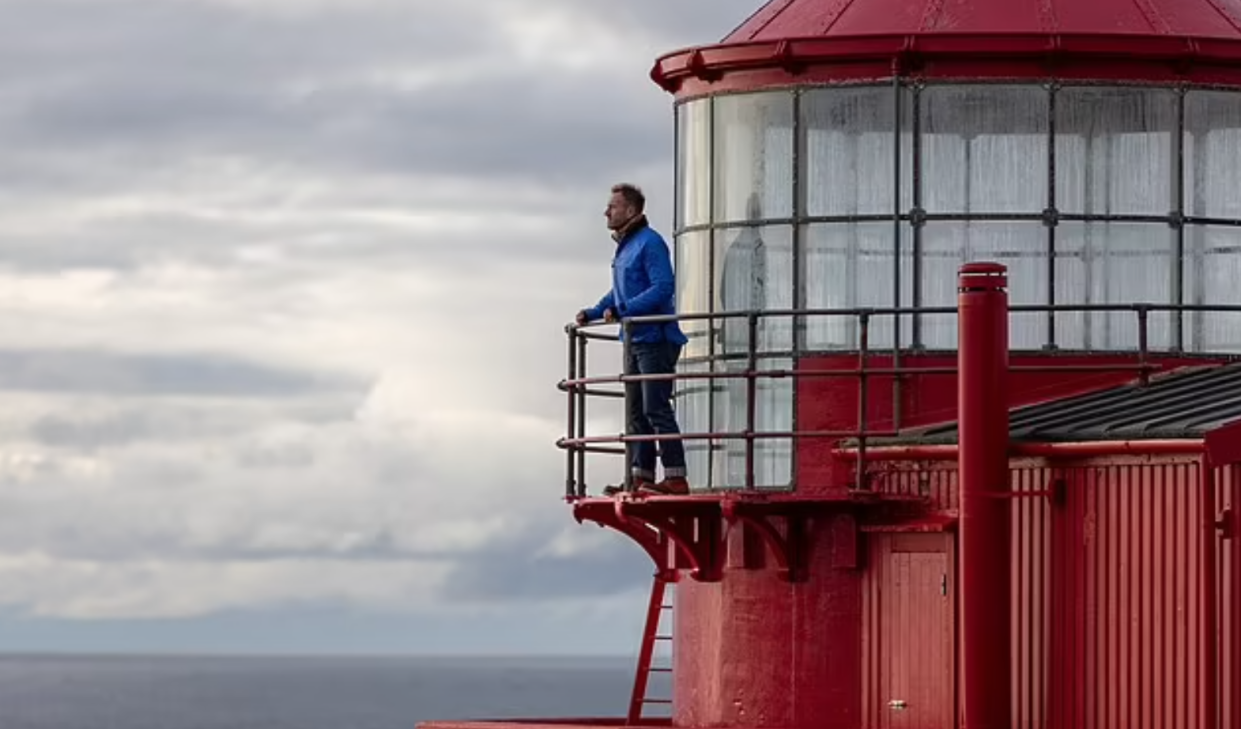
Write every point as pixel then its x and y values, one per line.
pixel 579 386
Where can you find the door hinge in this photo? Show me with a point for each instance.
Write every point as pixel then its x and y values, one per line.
pixel 943 584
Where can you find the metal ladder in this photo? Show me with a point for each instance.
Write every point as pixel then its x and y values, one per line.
pixel 658 615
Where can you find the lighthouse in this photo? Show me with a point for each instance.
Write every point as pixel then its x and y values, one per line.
pixel 962 283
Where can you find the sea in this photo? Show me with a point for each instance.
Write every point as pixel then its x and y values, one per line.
pixel 175 692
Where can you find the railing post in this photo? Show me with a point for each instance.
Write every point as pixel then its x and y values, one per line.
pixel 863 396
pixel 983 589
pixel 751 397
pixel 626 337
pixel 581 417
pixel 1143 343
pixel 570 481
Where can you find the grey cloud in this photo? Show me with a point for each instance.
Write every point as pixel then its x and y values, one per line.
pixel 689 22
pixel 122 424
pixel 151 84
pixel 554 130
pixel 147 86
pixel 82 371
pixel 136 240
pixel 512 569
pixel 152 100
pixel 118 429
pixel 548 131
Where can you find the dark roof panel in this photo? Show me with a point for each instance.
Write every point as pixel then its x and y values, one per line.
pixel 1183 404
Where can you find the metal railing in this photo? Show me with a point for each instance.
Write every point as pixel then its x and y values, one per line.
pixel 580 387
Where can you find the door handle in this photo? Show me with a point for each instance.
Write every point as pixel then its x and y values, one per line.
pixel 897 705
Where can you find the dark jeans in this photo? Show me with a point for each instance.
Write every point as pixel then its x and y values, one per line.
pixel 650 409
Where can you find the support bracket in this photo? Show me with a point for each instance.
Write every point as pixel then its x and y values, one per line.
pixel 788 549
pixel 674 539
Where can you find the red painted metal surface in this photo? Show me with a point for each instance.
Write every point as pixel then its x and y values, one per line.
pixel 1224 444
pixel 1128 581
pixel 887 454
pixel 983 632
pixel 800 18
pixel 1208 627
pixel 812 41
pixel 831 403
pixel 753 650
pixel 1122 583
pixel 908 605
pixel 1228 592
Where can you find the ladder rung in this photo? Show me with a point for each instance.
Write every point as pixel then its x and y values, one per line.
pixel 659 669
pixel 657 701
pixel 665 607
pixel 663 637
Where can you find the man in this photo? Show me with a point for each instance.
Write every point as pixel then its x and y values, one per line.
pixel 642 285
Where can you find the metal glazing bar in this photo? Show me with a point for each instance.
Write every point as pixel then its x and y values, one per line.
pixel 1178 222
pixel 799 288
pixel 916 216
pixel 712 323
pixel 1050 215
pixel 897 128
pixel 679 169
pixel 1205 220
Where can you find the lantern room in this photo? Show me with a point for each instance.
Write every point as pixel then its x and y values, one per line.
pixel 834 156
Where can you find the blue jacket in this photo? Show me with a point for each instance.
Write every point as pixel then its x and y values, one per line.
pixel 642 285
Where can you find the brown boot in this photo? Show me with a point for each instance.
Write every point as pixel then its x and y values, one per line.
pixel 675 486
pixel 639 484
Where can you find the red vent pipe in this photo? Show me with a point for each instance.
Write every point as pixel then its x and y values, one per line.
pixel 983 531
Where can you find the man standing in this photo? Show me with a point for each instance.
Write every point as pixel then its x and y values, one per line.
pixel 642 285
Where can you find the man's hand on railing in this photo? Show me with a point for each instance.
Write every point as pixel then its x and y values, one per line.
pixel 583 319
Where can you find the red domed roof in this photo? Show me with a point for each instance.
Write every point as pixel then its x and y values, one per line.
pixel 815 41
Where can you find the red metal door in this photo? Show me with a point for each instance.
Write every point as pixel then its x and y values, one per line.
pixel 917 632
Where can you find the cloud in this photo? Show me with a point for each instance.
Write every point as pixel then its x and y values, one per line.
pixel 282 289
pixel 123 375
pixel 553 562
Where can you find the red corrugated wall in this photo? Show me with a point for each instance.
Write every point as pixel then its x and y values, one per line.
pixel 1228 582
pixel 1110 570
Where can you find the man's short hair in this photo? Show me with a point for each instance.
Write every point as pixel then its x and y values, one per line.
pixel 631 194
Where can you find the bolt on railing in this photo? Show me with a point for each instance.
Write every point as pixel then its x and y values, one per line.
pixel 580 387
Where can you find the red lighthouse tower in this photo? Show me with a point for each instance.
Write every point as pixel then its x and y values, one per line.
pixel 963 287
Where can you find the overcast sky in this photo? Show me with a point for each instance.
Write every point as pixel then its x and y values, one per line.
pixel 282 289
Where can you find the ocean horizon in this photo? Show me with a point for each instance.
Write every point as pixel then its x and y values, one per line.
pixel 302 691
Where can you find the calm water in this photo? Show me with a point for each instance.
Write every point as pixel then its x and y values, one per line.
pixel 300 693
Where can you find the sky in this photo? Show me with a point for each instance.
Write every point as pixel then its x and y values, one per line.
pixel 282 294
